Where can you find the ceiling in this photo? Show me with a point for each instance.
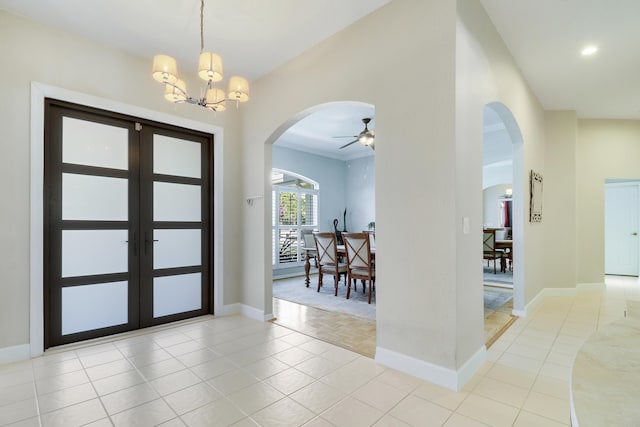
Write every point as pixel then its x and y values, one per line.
pixel 544 36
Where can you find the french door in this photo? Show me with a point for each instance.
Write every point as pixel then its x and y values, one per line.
pixel 127 223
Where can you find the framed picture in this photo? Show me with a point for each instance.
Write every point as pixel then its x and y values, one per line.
pixel 535 201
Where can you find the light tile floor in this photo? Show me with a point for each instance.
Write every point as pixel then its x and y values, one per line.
pixel 236 371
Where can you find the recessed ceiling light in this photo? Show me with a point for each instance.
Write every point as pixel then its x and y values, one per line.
pixel 589 50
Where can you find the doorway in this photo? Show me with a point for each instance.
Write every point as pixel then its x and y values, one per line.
pixel 317 154
pixel 503 195
pixel 127 223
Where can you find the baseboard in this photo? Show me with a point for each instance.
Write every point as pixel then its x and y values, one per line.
pixel 254 313
pixel 593 286
pixel 15 353
pixel 546 292
pixel 448 378
pixel 559 292
pixel 228 310
pixel 471 366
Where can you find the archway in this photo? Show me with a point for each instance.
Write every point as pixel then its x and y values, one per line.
pixel 509 173
pixel 318 144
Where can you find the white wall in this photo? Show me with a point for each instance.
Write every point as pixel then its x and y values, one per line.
pixel 491 198
pixel 68 62
pixel 495 174
pixel 360 197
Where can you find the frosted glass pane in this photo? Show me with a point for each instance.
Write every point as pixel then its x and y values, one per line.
pixel 173 156
pixel 94 144
pixel 89 252
pixel 176 248
pixel 176 202
pixel 87 197
pixel 177 294
pixel 85 308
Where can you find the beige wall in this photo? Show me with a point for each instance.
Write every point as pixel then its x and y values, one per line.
pixel 410 52
pixel 605 149
pixel 53 57
pixel 487 74
pixel 429 305
pixel 559 199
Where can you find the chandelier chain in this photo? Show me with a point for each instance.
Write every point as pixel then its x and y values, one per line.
pixel 201 26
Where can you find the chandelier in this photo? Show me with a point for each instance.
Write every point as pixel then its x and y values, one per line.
pixel 165 71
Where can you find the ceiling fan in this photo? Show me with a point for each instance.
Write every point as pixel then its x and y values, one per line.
pixel 366 137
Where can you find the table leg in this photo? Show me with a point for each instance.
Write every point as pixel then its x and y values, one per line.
pixel 307 267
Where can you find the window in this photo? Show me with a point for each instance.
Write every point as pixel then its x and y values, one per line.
pixel 294 202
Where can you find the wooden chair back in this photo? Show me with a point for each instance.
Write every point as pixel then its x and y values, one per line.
pixel 326 248
pixel 358 249
pixel 488 241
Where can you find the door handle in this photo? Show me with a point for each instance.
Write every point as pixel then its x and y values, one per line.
pixel 135 243
pixel 147 241
pixel 634 234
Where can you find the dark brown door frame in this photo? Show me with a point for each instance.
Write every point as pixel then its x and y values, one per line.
pixel 139 276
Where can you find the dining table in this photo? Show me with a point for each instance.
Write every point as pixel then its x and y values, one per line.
pixel 311 252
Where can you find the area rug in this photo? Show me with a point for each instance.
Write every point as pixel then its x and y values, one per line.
pixel 495 298
pixel 498 278
pixel 294 290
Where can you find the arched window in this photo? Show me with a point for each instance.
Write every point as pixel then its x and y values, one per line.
pixel 294 202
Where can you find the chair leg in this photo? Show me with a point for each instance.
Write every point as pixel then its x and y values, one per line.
pixel 370 286
pixel 349 286
pixel 319 280
pixel 335 284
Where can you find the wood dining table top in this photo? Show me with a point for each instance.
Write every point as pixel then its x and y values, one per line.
pixel 504 244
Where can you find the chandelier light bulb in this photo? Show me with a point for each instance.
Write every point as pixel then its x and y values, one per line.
pixel 165 69
pixel 238 89
pixel 176 93
pixel 215 100
pixel 210 67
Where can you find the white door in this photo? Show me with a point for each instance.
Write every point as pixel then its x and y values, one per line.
pixel 621 229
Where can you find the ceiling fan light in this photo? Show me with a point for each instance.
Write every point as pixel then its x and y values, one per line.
pixel 238 89
pixel 215 100
pixel 165 69
pixel 210 67
pixel 176 92
pixel 366 138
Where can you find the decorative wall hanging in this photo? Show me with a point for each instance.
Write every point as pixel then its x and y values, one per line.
pixel 535 198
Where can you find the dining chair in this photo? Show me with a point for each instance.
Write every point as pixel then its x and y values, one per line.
pixel 489 249
pixel 310 246
pixel 327 258
pixel 358 249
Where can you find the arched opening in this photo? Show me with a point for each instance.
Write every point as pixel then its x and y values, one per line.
pixel 503 218
pixel 320 146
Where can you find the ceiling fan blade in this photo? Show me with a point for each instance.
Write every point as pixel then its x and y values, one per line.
pixel 345 136
pixel 346 145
